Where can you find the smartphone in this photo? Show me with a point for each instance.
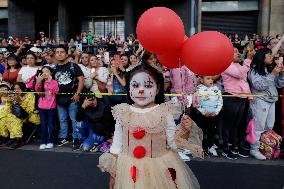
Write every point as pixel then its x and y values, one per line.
pixel 79 46
pixel 117 60
pixel 106 57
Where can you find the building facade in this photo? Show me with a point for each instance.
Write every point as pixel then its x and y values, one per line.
pixel 63 19
pixel 3 18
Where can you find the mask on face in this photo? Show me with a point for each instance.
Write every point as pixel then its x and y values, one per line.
pixel 143 89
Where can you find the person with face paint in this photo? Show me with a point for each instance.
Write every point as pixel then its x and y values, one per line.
pixel 146 140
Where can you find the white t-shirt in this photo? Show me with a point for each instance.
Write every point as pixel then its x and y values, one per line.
pixel 27 72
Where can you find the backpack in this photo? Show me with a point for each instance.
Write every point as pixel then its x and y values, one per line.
pixel 270 144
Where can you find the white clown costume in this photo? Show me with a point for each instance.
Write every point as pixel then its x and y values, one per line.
pixel 144 150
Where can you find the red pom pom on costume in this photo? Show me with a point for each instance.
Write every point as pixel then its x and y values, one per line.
pixel 139 133
pixel 139 152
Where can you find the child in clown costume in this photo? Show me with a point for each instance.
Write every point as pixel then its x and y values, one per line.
pixel 146 140
pixel 10 126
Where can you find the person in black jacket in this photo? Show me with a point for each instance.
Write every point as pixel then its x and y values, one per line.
pixel 95 122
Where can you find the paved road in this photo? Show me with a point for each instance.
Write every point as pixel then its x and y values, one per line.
pixel 60 169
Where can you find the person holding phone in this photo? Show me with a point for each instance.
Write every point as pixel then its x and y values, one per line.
pixel 95 121
pixel 263 81
pixel 117 80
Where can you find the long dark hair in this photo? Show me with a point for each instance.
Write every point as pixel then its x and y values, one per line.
pixel 22 86
pixel 258 65
pixel 158 77
pixel 146 56
pixel 17 65
pixel 32 54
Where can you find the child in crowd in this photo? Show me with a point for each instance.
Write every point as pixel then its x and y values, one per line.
pixel 151 59
pixel 47 106
pixel 237 87
pixel 264 82
pixel 116 83
pixel 143 152
pixel 133 62
pixel 10 125
pixel 209 104
pixel 99 74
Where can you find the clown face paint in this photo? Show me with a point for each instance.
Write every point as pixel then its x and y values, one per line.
pixel 143 89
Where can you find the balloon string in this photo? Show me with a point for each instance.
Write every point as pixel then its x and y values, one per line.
pixel 182 88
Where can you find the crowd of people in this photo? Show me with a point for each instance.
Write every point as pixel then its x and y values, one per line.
pixel 61 88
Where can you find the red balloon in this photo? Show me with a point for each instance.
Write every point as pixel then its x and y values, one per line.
pixel 207 53
pixel 160 30
pixel 170 60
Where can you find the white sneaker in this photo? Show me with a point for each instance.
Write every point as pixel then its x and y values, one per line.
pixel 183 156
pixel 49 146
pixel 187 152
pixel 212 151
pixel 42 146
pixel 257 155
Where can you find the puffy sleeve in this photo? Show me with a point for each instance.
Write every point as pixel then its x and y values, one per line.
pixel 107 161
pixel 116 146
pixel 173 107
pixel 117 112
pixel 170 132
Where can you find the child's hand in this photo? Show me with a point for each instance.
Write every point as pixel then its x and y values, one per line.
pixel 87 103
pixel 186 122
pixel 213 114
pixel 94 75
pixel 39 78
pixel 208 114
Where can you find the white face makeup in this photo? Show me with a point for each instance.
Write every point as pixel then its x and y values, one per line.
pixel 143 89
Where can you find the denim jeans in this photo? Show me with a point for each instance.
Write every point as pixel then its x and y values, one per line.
pixel 47 123
pixel 87 136
pixel 63 113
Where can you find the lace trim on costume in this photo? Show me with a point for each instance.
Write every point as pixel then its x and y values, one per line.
pixel 153 122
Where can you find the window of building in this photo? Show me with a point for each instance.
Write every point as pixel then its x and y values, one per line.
pixel 103 26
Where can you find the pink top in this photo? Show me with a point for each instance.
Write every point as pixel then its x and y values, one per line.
pixel 49 100
pixel 235 78
pixel 183 80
